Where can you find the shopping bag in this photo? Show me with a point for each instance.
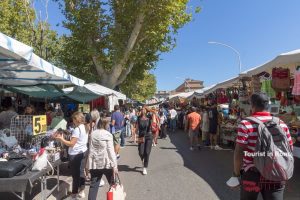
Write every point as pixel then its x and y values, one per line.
pixel 116 191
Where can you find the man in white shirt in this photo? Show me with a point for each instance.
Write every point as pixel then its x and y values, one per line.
pixel 173 115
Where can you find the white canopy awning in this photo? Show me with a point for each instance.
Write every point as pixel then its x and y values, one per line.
pixel 20 66
pixel 290 60
pixel 95 90
pixel 181 95
pixel 225 84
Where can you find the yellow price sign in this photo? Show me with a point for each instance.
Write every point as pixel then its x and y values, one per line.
pixel 39 124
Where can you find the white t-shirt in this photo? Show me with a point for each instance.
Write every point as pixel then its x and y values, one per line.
pixel 173 114
pixel 82 139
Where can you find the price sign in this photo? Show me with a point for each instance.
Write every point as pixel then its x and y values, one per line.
pixel 39 123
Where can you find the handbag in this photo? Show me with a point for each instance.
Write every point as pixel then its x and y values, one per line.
pixel 154 127
pixel 42 162
pixel 281 79
pixel 116 190
pixel 14 167
pixel 141 140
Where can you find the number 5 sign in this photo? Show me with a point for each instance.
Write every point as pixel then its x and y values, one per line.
pixel 39 123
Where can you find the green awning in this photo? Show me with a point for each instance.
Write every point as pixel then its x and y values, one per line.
pixel 38 91
pixel 81 94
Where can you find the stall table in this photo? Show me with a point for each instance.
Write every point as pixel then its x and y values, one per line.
pixel 24 183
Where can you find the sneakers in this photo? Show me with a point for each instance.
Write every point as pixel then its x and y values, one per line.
pixel 191 148
pixel 217 147
pixel 122 147
pixel 144 171
pixel 118 156
pixel 212 147
pixel 81 194
pixel 102 183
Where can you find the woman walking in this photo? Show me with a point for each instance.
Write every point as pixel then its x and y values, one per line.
pixel 77 153
pixel 133 122
pixel 144 139
pixel 205 127
pixel 163 121
pixel 102 157
pixel 155 127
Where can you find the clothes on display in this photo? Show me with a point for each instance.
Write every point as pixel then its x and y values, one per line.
pixel 266 87
pixel 296 88
pixel 280 79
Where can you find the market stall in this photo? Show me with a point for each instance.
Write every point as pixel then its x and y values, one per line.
pixel 279 79
pixel 91 91
pixel 27 150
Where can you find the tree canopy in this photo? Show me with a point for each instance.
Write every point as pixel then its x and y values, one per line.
pixel 141 89
pixel 114 38
pixel 18 20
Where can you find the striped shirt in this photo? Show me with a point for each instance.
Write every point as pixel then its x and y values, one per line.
pixel 247 136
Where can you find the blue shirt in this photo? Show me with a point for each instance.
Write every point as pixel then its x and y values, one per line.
pixel 119 120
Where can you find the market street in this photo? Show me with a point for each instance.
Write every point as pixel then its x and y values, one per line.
pixel 176 173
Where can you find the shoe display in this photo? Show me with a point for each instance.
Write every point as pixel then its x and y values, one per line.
pixel 144 171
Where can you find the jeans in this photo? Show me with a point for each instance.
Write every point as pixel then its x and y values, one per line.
pixel 252 185
pixel 77 165
pixel 145 150
pixel 96 175
pixel 163 131
pixel 173 124
pixel 122 136
pixel 128 130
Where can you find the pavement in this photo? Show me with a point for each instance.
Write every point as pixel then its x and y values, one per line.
pixel 174 173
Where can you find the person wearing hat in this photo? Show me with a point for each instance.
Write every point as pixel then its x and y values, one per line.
pixel 247 137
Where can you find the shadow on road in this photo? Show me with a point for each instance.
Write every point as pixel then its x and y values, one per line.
pixel 126 168
pixel 215 167
pixel 168 148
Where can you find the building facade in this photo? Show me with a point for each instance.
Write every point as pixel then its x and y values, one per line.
pixel 189 85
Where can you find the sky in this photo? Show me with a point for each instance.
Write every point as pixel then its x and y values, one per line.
pixel 258 29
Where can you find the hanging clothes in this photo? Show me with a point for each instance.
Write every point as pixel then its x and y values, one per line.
pixel 296 87
pixel 266 87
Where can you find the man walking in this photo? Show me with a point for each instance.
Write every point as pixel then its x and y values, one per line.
pixel 117 121
pixel 194 121
pixel 249 131
pixel 173 115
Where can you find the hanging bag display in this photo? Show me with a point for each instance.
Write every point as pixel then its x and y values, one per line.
pixel 281 79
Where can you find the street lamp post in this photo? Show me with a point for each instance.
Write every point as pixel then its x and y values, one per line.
pixel 237 53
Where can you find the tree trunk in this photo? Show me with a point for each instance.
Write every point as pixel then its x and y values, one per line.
pixel 120 70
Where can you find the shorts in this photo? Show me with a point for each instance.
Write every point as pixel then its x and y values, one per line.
pixel 193 133
pixel 116 137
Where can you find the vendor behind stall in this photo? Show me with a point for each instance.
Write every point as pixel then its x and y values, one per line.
pixel 58 121
pixel 7 114
pixel 29 110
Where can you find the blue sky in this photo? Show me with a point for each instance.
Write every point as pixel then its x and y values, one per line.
pixel 258 29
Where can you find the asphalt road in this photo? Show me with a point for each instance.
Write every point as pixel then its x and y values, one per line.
pixel 176 173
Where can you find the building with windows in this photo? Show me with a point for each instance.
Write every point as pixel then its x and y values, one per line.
pixel 189 85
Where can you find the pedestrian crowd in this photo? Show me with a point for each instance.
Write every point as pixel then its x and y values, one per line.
pixel 94 142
